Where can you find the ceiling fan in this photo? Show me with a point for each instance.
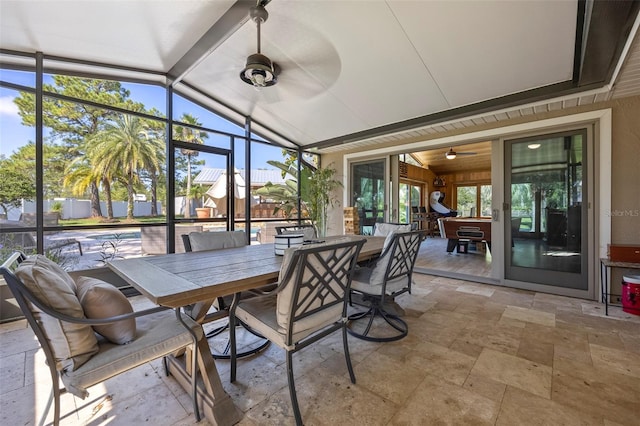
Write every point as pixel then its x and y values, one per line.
pixel 451 154
pixel 259 71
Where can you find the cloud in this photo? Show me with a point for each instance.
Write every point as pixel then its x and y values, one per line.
pixel 7 107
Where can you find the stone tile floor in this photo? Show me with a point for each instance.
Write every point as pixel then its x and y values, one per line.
pixel 475 355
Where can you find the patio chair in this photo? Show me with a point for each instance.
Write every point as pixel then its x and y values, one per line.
pixel 82 327
pixel 308 231
pixel 379 284
pixel 202 241
pixel 308 304
pixel 27 242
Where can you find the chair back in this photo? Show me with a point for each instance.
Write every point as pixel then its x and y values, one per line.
pixel 202 241
pixel 308 231
pixel 26 301
pixel 314 283
pixel 395 265
pixel 385 228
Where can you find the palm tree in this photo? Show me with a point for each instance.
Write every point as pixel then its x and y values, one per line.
pixel 154 133
pixel 124 148
pixel 80 176
pixel 188 134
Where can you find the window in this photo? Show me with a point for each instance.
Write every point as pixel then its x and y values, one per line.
pixel 473 200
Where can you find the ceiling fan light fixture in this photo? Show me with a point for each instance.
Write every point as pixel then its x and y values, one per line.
pixel 533 146
pixel 259 71
pixel 450 155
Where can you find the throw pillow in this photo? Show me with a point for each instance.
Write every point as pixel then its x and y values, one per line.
pixel 103 300
pixel 73 344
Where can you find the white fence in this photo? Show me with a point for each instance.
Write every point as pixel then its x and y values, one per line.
pixel 76 209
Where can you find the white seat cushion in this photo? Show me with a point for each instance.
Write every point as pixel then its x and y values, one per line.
pixel 157 335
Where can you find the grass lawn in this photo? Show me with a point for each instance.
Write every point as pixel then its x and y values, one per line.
pixel 122 220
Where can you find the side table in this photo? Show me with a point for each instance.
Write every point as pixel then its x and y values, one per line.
pixel 605 275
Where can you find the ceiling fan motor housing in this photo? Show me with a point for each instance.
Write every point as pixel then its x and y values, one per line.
pixel 259 71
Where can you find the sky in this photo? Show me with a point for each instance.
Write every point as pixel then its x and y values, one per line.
pixel 13 134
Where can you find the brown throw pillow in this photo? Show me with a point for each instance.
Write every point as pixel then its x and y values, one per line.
pixel 73 344
pixel 103 300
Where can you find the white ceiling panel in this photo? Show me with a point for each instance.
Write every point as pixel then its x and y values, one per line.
pixel 349 67
pixel 509 46
pixel 145 34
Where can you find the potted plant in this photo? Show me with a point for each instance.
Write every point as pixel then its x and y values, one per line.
pixel 196 193
pixel 322 185
pixel 316 187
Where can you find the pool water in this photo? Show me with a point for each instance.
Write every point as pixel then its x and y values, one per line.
pixel 116 236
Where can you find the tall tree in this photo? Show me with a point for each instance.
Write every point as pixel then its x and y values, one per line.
pixel 188 134
pixel 124 147
pixel 72 122
pixel 17 183
pixel 155 133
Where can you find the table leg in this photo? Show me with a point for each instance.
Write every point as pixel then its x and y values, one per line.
pixel 217 405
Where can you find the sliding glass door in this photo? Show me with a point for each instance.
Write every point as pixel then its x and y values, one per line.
pixel 368 193
pixel 545 195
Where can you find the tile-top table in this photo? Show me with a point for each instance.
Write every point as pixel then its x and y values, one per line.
pixel 180 279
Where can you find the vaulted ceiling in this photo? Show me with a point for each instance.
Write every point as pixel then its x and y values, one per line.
pixel 354 73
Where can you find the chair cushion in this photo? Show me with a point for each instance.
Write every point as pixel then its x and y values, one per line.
pixel 362 282
pixel 158 335
pixel 202 241
pixel 384 229
pixel 308 232
pixel 72 344
pixel 260 313
pixel 102 300
pixel 379 270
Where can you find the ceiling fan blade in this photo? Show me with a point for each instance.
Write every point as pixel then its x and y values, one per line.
pixel 466 153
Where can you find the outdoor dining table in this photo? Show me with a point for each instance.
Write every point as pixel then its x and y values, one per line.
pixel 180 279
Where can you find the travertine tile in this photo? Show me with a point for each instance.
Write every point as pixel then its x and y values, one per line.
pixel 596 392
pixel 620 361
pixel 442 362
pixel 475 354
pixel 490 334
pixel 536 351
pixel 12 374
pixel 513 371
pixel 485 386
pixel 436 402
pixel 521 408
pixel 475 289
pixel 372 373
pixel 530 315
